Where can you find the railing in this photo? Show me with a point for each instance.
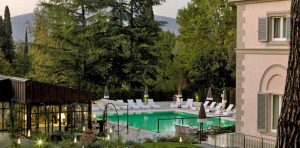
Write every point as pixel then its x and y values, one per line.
pixel 238 140
pixel 182 120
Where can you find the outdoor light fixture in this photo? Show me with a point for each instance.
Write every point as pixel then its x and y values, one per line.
pixel 40 142
pixel 180 139
pixel 83 128
pixel 110 130
pixel 108 137
pixel 28 134
pixel 75 140
pixel 19 141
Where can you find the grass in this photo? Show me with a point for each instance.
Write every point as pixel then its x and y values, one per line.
pixel 169 145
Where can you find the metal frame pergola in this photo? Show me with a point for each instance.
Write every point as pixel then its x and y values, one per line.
pixel 26 95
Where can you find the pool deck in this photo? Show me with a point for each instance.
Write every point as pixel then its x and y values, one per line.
pixel 140 134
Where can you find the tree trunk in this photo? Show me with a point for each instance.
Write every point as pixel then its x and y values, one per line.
pixel 288 130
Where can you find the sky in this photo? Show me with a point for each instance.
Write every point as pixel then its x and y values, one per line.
pixel 19 7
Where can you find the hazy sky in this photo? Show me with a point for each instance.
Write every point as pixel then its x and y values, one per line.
pixel 18 7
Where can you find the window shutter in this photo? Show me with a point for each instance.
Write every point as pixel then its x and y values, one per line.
pixel 288 28
pixel 262 112
pixel 263 29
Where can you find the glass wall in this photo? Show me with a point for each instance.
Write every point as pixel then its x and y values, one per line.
pixel 4 115
pixel 55 118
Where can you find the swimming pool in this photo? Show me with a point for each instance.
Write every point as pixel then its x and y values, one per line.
pixel 149 120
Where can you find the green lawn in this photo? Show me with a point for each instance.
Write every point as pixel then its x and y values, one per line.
pixel 169 145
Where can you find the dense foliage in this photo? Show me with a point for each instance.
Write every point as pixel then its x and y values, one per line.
pixel 206 45
pixel 117 43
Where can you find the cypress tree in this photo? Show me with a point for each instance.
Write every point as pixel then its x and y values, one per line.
pixel 8 47
pixel 2 33
pixel 26 43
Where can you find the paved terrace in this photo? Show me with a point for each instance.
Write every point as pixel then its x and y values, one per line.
pixel 138 135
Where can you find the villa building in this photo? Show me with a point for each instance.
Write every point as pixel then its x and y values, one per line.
pixel 44 107
pixel 263 33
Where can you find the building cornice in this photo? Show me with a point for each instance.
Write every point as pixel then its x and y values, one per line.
pixel 266 51
pixel 239 2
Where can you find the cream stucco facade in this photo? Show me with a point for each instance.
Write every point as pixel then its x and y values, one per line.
pixel 261 65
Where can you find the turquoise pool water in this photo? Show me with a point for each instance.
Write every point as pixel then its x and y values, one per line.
pixel 148 121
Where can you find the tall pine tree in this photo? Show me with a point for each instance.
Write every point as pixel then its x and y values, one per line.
pixel 143 32
pixel 288 128
pixel 67 33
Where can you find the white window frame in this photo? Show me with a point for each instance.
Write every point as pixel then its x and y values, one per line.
pixel 281 38
pixel 274 129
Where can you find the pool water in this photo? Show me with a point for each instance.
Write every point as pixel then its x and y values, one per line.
pixel 149 121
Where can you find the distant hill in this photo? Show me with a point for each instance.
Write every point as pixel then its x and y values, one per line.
pixel 19 24
pixel 171 25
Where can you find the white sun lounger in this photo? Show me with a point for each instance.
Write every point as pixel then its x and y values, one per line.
pixel 176 104
pixel 214 109
pixel 152 104
pixel 189 104
pixel 132 104
pixel 122 104
pixel 211 106
pixel 229 111
pixel 140 104
pixel 205 104
pixel 97 107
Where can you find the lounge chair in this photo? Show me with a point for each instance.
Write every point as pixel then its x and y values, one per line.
pixel 132 104
pixel 218 107
pixel 140 104
pixel 211 106
pixel 220 111
pixel 177 129
pixel 189 104
pixel 97 107
pixel 185 129
pixel 176 104
pixel 152 104
pixel 121 104
pixel 229 111
pixel 205 104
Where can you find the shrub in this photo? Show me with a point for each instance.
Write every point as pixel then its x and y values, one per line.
pixel 132 144
pixel 94 145
pixel 88 136
pixel 67 143
pixel 148 140
pixel 220 130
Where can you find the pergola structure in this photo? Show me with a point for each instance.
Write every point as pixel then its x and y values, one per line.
pixel 44 107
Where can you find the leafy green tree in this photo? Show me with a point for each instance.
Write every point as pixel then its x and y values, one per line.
pixel 168 73
pixel 206 43
pixel 87 44
pixel 22 62
pixel 5 66
pixel 8 44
